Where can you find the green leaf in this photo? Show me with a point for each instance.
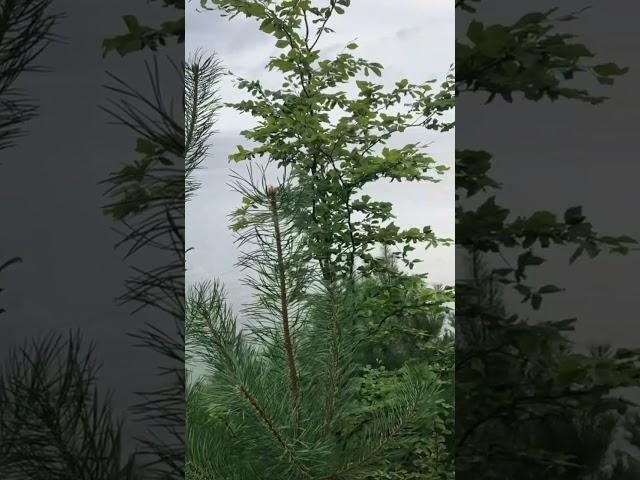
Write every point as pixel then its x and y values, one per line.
pixel 550 289
pixel 475 31
pixel 609 69
pixel 131 22
pixel 402 84
pixel 267 26
pixel 536 301
pixel 573 215
pixel 255 10
pixel 530 18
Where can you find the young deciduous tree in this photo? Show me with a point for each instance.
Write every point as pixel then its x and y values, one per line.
pixel 329 125
pixel 333 139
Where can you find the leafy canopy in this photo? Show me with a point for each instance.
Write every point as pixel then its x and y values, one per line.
pixel 329 124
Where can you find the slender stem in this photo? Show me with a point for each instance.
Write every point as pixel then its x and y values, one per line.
pixel 334 363
pixel 268 423
pixel 324 24
pixel 284 304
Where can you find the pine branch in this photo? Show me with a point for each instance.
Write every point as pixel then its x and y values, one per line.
pixel 6 265
pixel 26 30
pixel 392 424
pixel 202 74
pixel 211 328
pixel 53 422
pixel 268 423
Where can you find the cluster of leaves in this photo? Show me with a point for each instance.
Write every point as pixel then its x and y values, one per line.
pixel 527 57
pixel 139 37
pixel 416 331
pixel 333 142
pixel 528 405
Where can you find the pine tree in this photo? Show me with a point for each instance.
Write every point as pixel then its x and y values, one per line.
pixel 282 399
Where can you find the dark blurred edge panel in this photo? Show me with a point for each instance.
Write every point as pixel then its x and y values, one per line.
pixel 91 239
pixel 547 172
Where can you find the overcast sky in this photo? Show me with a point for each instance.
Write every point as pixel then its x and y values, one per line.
pixel 413 39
